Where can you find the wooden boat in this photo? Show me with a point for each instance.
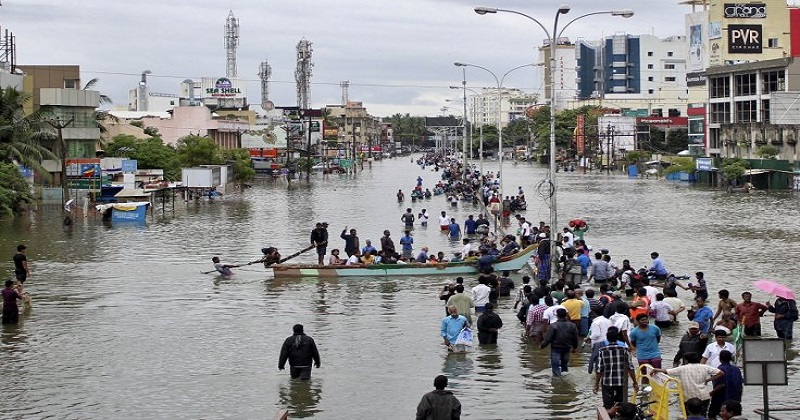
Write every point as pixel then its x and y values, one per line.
pixel 511 263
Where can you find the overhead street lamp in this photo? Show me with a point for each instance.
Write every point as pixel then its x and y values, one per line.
pixel 552 39
pixel 480 127
pixel 499 109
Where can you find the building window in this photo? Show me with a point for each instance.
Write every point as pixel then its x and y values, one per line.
pixel 772 43
pixel 669 53
pixel 744 84
pixel 650 79
pixel 669 79
pixel 746 111
pixel 650 91
pixel 71 83
pixel 719 87
pixel 669 66
pixel 650 67
pixel 720 112
pixel 649 53
pixel 773 81
pixel 765 110
pixel 713 141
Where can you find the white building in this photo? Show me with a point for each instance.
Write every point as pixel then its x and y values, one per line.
pixel 483 109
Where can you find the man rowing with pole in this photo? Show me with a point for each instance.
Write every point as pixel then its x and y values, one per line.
pixel 319 238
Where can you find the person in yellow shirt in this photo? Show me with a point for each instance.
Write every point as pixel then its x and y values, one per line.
pixel 573 306
pixel 369 259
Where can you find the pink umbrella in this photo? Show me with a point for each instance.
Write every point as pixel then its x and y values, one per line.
pixel 774 288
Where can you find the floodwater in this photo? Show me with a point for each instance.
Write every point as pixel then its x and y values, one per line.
pixel 124 325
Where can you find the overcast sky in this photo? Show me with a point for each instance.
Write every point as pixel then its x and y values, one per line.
pixel 397 54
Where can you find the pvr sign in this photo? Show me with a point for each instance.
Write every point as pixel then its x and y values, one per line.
pixel 744 39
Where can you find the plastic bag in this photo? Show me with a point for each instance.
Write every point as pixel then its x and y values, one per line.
pixel 464 337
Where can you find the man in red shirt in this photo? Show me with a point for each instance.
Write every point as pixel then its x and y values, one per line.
pixel 749 314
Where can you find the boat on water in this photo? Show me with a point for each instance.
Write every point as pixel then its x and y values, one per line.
pixel 511 263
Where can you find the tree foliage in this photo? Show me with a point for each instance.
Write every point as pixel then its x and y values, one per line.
pixel 681 164
pixel 22 137
pixel 150 153
pixel 198 150
pixel 767 152
pixel 407 129
pixel 243 170
pixel 733 168
pixel 15 193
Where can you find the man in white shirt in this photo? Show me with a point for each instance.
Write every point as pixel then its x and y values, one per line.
pixel 525 232
pixel 568 239
pixel 622 321
pixel 480 295
pixel 675 302
pixel 597 336
pixel 444 221
pixel 354 259
pixel 711 354
pixel 466 248
pixel 550 313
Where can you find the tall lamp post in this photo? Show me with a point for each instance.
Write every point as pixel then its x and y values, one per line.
pixel 499 109
pixel 553 39
pixel 472 124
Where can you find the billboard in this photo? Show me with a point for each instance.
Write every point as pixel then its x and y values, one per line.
pixel 745 10
pixel 696 48
pixel 664 121
pixel 223 88
pixel 744 39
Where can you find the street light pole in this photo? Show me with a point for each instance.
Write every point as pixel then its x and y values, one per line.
pixel 552 38
pixel 464 121
pixel 499 111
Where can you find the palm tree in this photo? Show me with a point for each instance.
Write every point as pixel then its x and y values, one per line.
pixel 21 136
pixel 102 117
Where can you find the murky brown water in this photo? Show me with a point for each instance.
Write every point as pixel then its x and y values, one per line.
pixel 125 326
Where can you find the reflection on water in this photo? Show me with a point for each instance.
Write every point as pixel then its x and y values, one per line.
pixel 300 397
pixel 124 325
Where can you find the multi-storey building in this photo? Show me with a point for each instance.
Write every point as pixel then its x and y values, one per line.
pixel 633 72
pixel 504 105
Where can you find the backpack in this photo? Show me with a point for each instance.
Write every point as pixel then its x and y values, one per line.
pixel 522 314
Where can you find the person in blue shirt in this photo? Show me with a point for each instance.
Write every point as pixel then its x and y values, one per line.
pixel 407 243
pixel 585 262
pixel 452 326
pixel 369 248
pixel 657 267
pixel 645 338
pixel 470 225
pixel 703 315
pixel 454 228
pixel 729 387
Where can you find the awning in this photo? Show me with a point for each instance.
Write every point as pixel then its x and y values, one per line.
pixel 756 171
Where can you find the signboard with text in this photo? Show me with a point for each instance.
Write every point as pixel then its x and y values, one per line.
pixel 664 121
pixel 745 10
pixel 744 39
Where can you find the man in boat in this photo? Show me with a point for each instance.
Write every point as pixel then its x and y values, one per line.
pixel 319 238
pixel 657 267
pixel 510 246
pixel 407 242
pixel 224 269
pixel 351 244
pixel 271 256
pixel 387 244
pixel 299 350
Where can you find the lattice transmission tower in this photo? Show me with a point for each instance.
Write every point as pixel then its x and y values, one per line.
pixel 303 74
pixel 231 43
pixel 264 73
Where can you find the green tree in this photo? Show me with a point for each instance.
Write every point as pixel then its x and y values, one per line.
pixel 733 168
pixel 15 193
pixel 767 152
pixel 150 153
pixel 407 129
pixel 681 164
pixel 197 150
pixel 243 170
pixel 23 137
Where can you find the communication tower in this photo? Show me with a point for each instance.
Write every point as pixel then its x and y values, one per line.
pixel 264 73
pixel 345 85
pixel 231 42
pixel 303 74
